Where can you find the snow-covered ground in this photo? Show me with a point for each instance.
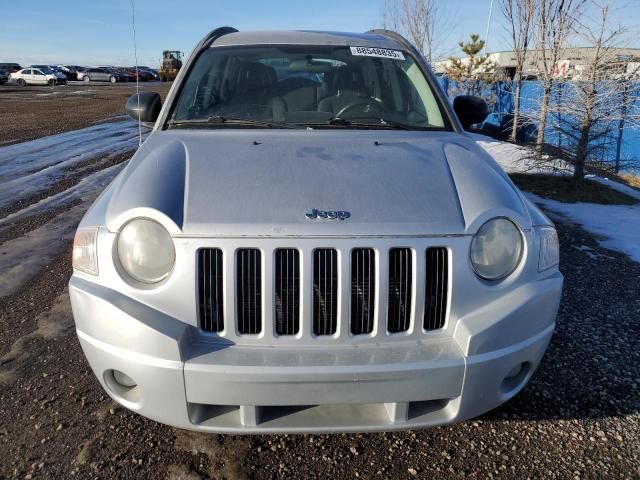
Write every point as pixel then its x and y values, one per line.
pixel 517 159
pixel 32 167
pixel 617 226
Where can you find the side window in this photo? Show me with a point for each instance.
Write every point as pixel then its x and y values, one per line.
pixel 423 99
pixel 38 72
pixel 26 72
pixel 210 83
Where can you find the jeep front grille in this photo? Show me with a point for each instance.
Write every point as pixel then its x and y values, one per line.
pixel 437 285
pixel 322 292
pixel 325 291
pixel 400 281
pixel 249 291
pixel 210 295
pixel 363 290
pixel 287 291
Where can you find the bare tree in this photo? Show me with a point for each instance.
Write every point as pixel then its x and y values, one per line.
pixel 597 97
pixel 520 15
pixel 595 104
pixel 424 22
pixel 555 21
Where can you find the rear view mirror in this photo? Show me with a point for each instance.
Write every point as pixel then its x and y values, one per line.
pixel 146 106
pixel 470 110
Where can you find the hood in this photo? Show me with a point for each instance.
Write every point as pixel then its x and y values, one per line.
pixel 263 182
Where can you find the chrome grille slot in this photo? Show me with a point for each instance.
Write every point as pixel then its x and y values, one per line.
pixel 400 290
pixel 325 291
pixel 287 291
pixel 249 291
pixel 210 294
pixel 363 290
pixel 436 289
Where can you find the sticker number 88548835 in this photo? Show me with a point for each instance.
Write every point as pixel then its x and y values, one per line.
pixel 377 52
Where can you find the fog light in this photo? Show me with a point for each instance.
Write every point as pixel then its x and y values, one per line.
pixel 515 370
pixel 123 379
pixel 515 380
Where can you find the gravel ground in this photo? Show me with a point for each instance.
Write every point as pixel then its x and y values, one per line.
pixel 579 417
pixel 33 112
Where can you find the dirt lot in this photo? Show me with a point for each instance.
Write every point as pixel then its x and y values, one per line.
pixel 578 418
pixel 32 112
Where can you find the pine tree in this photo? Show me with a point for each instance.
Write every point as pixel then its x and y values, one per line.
pixel 473 73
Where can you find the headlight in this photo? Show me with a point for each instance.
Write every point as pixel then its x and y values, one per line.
pixel 85 250
pixel 145 251
pixel 549 248
pixel 496 249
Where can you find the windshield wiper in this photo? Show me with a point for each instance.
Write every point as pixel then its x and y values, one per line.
pixel 376 122
pixel 220 119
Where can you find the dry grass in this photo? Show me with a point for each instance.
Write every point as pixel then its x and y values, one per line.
pixel 563 189
pixel 631 179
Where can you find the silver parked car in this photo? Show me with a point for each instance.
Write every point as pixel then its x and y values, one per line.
pixel 100 74
pixel 308 240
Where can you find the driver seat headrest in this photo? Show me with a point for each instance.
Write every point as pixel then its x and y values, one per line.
pixel 255 76
pixel 348 78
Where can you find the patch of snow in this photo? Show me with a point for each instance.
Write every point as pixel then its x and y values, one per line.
pixel 518 159
pixel 25 256
pixel 58 93
pixel 31 167
pixel 86 190
pixel 618 226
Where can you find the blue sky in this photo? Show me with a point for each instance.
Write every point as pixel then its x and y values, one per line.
pixel 99 31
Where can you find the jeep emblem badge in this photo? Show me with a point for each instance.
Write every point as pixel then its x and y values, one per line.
pixel 328 214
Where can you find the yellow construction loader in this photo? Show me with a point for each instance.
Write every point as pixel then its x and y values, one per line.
pixel 171 64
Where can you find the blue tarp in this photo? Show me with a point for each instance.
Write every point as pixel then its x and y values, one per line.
pixel 529 105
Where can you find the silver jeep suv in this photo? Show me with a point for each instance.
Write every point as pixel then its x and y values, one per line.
pixel 308 240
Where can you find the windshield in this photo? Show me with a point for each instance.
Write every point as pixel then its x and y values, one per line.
pixel 344 87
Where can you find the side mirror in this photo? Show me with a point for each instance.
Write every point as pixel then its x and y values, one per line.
pixel 470 110
pixel 146 106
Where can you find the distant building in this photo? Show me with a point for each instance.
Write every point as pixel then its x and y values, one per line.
pixel 571 65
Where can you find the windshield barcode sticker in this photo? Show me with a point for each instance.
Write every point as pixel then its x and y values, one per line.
pixel 377 52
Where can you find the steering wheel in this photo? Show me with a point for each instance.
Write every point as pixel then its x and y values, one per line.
pixel 369 105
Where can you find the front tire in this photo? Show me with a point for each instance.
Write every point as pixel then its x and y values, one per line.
pixel 51 83
pixel 86 79
pixel 21 82
pixel 113 79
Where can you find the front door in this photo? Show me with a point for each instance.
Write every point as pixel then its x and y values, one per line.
pixel 39 78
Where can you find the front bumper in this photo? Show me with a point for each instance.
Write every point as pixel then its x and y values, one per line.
pixel 189 383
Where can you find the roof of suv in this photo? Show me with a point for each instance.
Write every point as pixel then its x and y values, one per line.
pixel 304 37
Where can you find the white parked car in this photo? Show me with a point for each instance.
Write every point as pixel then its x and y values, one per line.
pixel 38 76
pixel 54 69
pixel 308 240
